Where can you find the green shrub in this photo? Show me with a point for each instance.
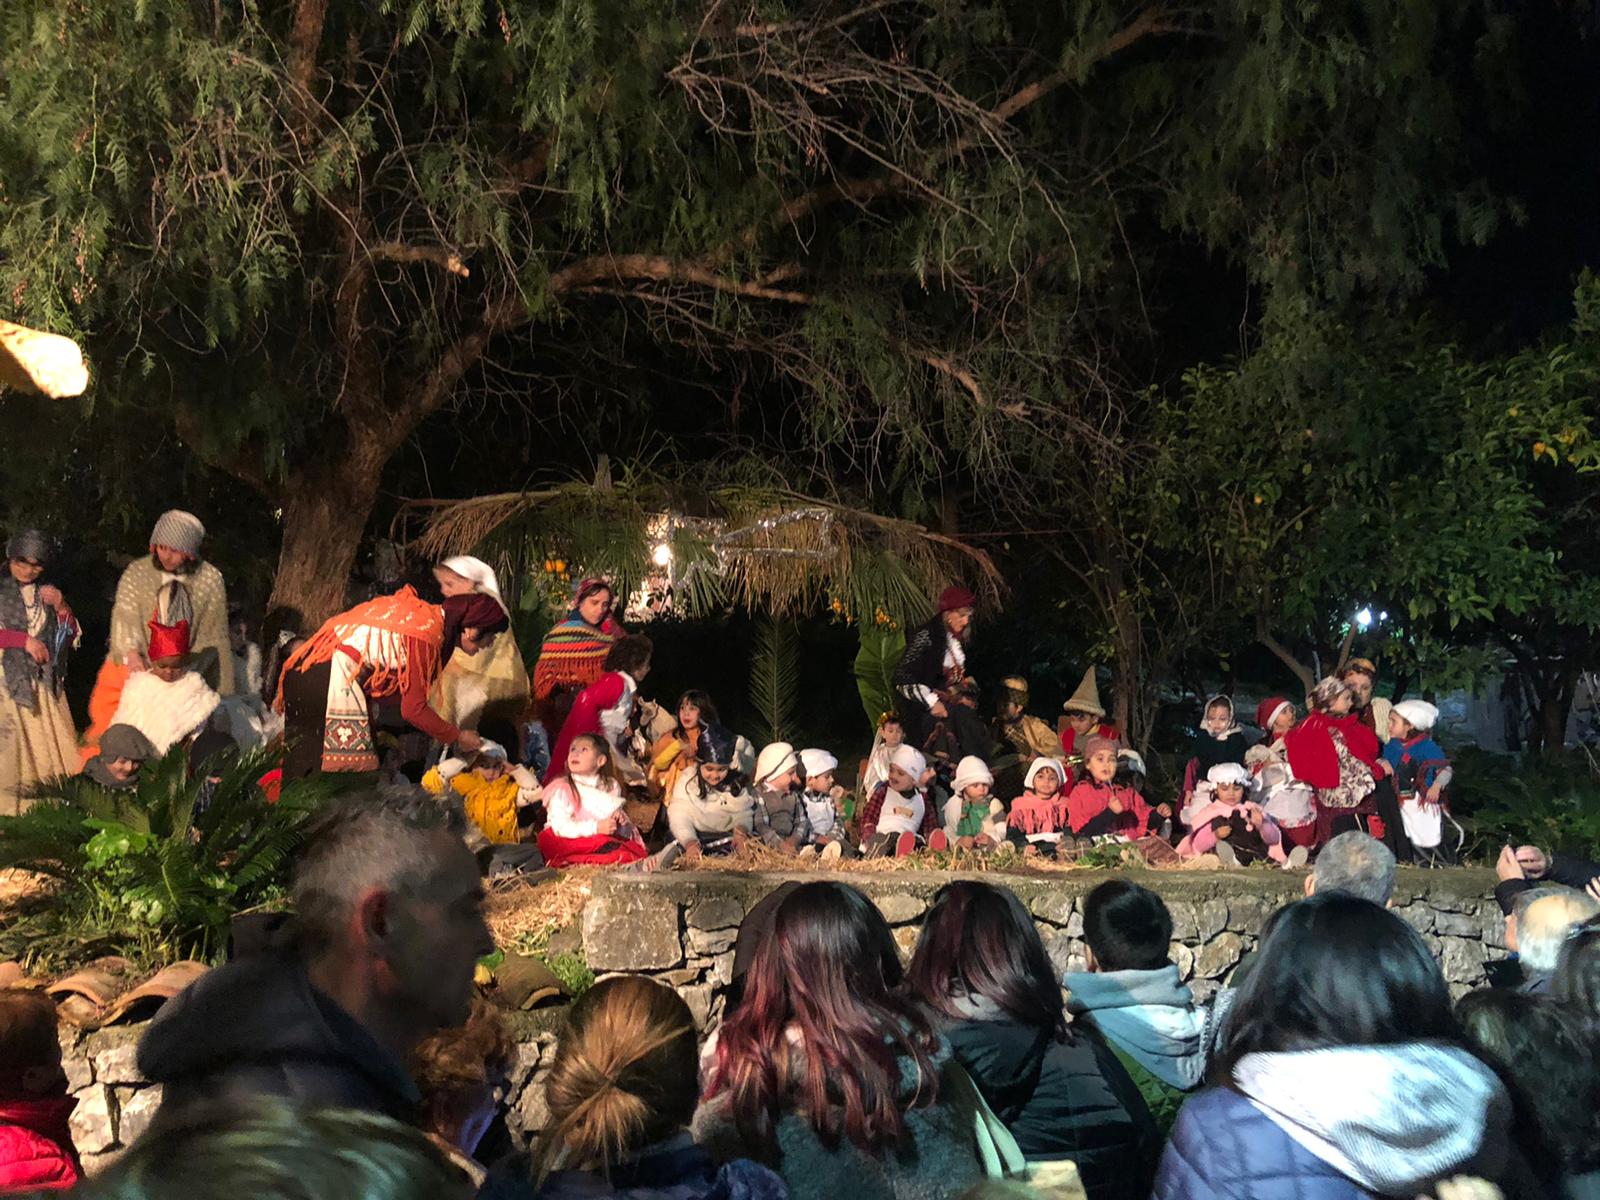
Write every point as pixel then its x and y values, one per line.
pixel 1551 802
pixel 155 873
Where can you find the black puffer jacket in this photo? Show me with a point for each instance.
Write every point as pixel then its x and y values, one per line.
pixel 1060 1100
pixel 257 1027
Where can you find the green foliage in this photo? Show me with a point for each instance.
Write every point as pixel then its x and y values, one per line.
pixel 1552 802
pixel 573 970
pixel 918 231
pixel 774 679
pixel 880 652
pixel 151 873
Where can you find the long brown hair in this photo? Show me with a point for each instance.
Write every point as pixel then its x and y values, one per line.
pixel 608 770
pixel 824 1028
pixel 625 1076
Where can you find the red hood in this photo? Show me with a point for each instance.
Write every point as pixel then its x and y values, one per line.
pixel 36 1149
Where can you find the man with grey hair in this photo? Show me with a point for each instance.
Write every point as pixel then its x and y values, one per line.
pixel 1537 927
pixel 1356 864
pixel 389 927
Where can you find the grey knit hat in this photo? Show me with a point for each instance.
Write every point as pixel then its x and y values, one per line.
pixel 180 531
pixel 31 544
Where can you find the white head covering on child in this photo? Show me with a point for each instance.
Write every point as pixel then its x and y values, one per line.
pixel 774 760
pixel 910 761
pixel 817 762
pixel 1418 714
pixel 1228 773
pixel 1040 764
pixel 479 573
pixel 971 770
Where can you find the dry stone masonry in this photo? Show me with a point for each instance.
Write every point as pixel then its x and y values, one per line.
pixel 680 928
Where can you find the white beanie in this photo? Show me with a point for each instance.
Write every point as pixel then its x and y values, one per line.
pixel 488 749
pixel 817 762
pixel 180 531
pixel 910 761
pixel 1228 773
pixel 775 760
pixel 1040 764
pixel 1418 714
pixel 971 770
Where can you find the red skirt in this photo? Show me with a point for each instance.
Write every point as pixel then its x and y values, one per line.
pixel 602 850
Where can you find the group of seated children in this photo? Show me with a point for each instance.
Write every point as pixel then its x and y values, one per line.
pixel 1241 803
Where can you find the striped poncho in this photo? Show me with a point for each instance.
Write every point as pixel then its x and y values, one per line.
pixel 573 655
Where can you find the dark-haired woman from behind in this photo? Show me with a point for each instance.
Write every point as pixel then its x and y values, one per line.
pixel 621 1092
pixel 1342 1074
pixel 981 966
pixel 829 1073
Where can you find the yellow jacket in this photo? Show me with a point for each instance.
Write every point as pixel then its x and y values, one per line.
pixel 490 803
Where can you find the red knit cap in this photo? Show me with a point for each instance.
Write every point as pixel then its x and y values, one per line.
pixel 1267 711
pixel 954 597
pixel 1096 744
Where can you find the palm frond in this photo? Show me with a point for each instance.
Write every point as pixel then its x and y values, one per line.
pixel 774 678
pixel 753 543
pixel 879 653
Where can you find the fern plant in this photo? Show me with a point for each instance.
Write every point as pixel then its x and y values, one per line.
pixel 156 872
pixel 774 678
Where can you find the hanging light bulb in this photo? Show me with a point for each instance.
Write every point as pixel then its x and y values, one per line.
pixel 662 555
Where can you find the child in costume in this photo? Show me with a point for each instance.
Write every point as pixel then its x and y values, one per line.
pixel 1083 717
pixel 673 752
pixel 1224 821
pixel 585 823
pixel 897 817
pixel 890 736
pixel 1422 770
pixel 1218 740
pixel 823 800
pixel 974 819
pixel 498 797
pixel 1016 727
pixel 712 812
pixel 780 812
pixel 123 753
pixel 1038 819
pixel 36 1150
pixel 1097 806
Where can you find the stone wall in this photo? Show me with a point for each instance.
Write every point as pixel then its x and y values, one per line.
pixel 679 927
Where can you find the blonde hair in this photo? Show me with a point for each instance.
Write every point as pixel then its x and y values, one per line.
pixel 626 1074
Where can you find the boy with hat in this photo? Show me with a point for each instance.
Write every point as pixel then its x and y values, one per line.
pixel 824 822
pixel 973 818
pixel 123 753
pixel 898 817
pixel 1421 770
pixel 169 702
pixel 1083 718
pixel 498 798
pixel 780 818
pixel 1026 734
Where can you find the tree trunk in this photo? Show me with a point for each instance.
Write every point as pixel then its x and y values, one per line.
pixel 1555 693
pixel 324 516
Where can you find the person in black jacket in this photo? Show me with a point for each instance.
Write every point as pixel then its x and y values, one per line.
pixel 981 966
pixel 932 678
pixel 389 927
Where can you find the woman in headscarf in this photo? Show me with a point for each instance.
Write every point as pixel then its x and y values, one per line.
pixel 390 646
pixel 37 737
pixel 1334 752
pixel 573 655
pixel 493 683
pixel 931 672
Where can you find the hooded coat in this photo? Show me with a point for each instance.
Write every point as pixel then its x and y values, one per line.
pixel 1345 1123
pixel 1070 1100
pixel 937 1158
pixel 36 1151
pixel 1151 1023
pixel 257 1027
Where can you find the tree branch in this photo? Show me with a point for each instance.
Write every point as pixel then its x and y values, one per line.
pixel 446 260
pixel 305 39
pixel 620 268
pixel 1302 672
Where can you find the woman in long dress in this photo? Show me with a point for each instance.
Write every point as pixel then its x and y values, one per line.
pixel 573 655
pixel 37 631
pixel 492 683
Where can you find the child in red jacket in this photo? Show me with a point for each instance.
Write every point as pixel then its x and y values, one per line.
pixel 36 1151
pixel 1097 806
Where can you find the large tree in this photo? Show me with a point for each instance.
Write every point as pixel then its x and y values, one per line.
pixel 919 234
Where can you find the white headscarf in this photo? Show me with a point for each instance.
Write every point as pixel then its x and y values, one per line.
pixel 480 574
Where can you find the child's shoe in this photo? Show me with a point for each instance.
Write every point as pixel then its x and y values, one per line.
pixel 831 853
pixel 905 845
pixel 938 841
